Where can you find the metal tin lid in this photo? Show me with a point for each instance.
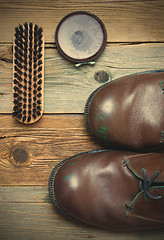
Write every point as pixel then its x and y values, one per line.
pixel 80 36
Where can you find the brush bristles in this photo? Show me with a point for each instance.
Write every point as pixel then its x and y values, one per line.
pixel 28 73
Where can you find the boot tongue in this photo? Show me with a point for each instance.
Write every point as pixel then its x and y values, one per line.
pixel 151 163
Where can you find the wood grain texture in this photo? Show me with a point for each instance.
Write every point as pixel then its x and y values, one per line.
pixel 67 87
pixel 125 21
pixel 29 153
pixel 26 213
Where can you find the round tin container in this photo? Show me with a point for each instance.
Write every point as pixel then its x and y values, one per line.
pixel 80 36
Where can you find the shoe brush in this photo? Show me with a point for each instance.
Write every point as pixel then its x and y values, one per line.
pixel 28 73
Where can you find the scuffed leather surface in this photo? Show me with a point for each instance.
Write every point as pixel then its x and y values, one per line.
pixel 129 112
pixel 95 187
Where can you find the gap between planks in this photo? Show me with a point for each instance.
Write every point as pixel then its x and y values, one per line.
pixel 41 146
pixel 67 88
pixel 26 213
pixel 124 20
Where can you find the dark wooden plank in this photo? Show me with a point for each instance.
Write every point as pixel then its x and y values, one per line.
pixel 29 153
pixel 26 213
pixel 125 21
pixel 67 87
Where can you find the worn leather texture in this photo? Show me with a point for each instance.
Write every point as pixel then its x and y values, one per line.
pixel 102 189
pixel 128 113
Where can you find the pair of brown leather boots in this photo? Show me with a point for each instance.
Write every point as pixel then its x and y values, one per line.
pixel 120 189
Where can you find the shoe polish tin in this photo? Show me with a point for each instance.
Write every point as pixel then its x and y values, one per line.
pixel 80 37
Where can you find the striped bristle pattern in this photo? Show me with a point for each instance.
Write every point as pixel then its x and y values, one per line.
pixel 28 73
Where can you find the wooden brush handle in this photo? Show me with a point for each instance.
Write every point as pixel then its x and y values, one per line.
pixel 28 73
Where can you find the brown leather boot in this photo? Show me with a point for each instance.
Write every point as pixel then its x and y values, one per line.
pixel 111 189
pixel 128 113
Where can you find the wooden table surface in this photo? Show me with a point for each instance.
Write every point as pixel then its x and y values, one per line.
pixel 135 44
